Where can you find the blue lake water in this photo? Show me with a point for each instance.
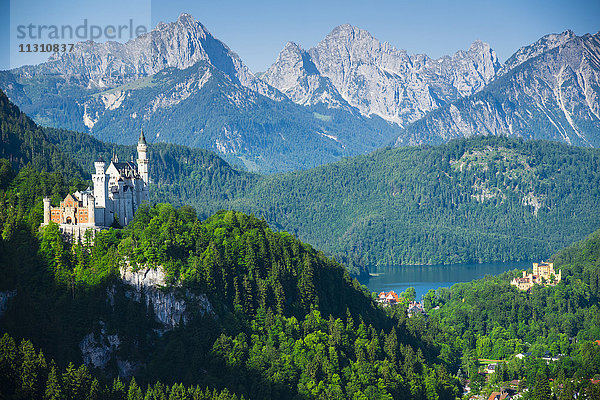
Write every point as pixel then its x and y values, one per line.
pixel 425 277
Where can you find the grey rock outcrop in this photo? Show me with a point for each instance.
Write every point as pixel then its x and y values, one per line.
pixel 98 349
pixel 171 306
pixel 5 296
pixel 533 50
pixel 297 77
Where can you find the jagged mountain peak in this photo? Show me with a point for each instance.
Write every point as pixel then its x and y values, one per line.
pixel 295 74
pixel 291 46
pixel 355 41
pixel 376 78
pixel 347 30
pixel 544 44
pixel 178 44
pixel 551 93
pixel 479 45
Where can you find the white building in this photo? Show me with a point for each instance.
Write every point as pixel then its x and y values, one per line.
pixel 118 192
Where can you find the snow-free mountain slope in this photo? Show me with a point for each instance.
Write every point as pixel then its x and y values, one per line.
pixel 378 79
pixel 553 94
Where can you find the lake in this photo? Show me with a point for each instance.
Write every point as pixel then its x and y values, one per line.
pixel 425 277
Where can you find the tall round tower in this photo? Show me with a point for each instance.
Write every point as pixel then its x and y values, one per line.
pixel 47 209
pixel 142 161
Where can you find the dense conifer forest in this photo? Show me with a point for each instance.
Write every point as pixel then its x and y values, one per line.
pixel 287 321
pixel 483 199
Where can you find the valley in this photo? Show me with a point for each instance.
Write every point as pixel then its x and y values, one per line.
pixel 272 236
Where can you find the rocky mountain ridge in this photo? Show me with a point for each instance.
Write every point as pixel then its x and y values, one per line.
pixel 552 93
pixel 348 95
pixel 180 44
pixel 376 78
pixel 182 85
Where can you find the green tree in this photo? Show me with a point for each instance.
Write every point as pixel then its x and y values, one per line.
pixel 541 389
pixel 53 386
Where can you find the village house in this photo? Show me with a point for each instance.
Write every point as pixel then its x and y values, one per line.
pixel 388 299
pixel 416 308
pixel 499 396
pixel 543 274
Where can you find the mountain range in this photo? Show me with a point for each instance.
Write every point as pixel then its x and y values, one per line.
pixel 376 78
pixel 184 86
pixel 348 95
pixel 549 90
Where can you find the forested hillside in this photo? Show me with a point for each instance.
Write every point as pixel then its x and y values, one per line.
pixel 470 200
pixel 490 319
pixel 480 199
pixel 286 321
pixel 22 142
pixel 179 175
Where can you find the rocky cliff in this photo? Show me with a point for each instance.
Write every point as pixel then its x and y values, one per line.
pixel 376 78
pixel 552 92
pixel 171 307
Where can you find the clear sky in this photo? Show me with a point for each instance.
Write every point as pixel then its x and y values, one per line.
pixel 257 30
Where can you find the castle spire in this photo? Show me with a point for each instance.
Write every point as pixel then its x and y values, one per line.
pixel 142 139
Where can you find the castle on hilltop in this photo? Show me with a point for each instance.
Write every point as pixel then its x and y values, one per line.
pixel 543 274
pixel 118 193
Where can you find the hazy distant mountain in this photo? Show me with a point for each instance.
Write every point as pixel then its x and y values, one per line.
pixel 184 86
pixel 548 90
pixel 351 65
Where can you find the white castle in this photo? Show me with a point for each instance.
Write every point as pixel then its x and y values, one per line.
pixel 118 192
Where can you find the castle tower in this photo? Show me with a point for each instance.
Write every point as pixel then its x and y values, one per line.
pixel 91 210
pixel 142 163
pixel 46 210
pixel 100 179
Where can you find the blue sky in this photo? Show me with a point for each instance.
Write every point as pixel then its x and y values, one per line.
pixel 257 30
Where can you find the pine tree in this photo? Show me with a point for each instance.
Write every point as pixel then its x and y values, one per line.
pixel 8 364
pixel 541 389
pixel 28 371
pixel 53 387
pixel 134 392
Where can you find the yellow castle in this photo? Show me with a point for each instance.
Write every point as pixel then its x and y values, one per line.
pixel 543 274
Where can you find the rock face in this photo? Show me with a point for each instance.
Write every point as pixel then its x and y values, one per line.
pixel 98 349
pixel 179 44
pixel 552 93
pixel 5 296
pixel 543 45
pixel 170 308
pixel 378 79
pixel 297 77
